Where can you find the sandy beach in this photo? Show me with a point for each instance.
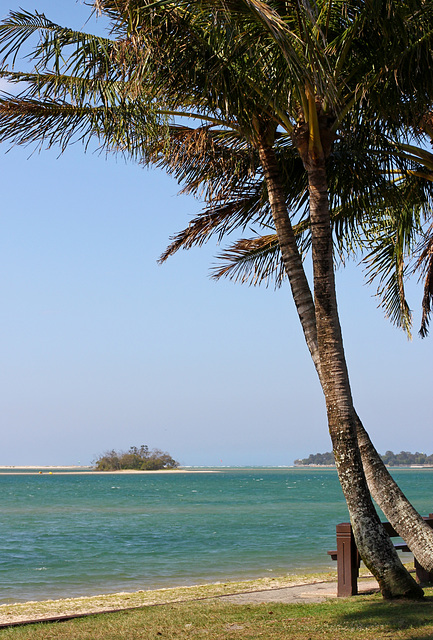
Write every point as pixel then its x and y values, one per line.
pixel 59 470
pixel 290 589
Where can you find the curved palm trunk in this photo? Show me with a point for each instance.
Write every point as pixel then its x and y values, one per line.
pixel 375 547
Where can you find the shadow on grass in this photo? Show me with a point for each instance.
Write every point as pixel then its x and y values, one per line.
pixel 392 616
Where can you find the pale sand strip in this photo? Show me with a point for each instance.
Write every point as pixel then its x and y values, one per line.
pixel 31 471
pixel 43 466
pixel 21 612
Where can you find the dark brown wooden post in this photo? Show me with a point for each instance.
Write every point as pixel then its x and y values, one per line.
pixel 422 575
pixel 347 561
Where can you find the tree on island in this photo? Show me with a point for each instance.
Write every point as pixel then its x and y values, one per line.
pixel 317 458
pixel 140 459
pixel 273 75
pixel 391 459
pixel 405 458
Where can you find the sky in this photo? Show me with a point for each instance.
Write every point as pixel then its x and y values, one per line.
pixel 102 348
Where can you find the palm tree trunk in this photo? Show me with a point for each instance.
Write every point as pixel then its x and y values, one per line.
pixel 373 543
pixel 392 576
pixel 394 504
pixel 396 507
pixel 294 268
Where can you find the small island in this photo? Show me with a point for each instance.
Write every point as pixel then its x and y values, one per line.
pixel 391 459
pixel 138 459
pixel 317 459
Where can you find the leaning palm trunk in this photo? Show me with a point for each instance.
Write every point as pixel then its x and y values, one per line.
pixel 394 504
pixel 289 250
pixel 396 507
pixel 374 545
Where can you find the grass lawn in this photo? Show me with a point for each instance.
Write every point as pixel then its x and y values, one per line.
pixel 361 618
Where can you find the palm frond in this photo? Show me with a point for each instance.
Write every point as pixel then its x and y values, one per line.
pixel 91 54
pixel 252 261
pixel 75 89
pixel 424 264
pixel 220 221
pixel 129 128
pixel 393 239
pixel 256 261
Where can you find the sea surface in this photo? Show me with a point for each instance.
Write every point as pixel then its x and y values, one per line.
pixel 66 535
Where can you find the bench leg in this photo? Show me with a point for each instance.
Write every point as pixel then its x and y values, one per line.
pixel 422 575
pixel 347 561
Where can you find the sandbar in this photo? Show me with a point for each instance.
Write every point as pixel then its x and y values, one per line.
pixel 71 470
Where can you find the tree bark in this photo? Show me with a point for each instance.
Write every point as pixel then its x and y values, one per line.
pixel 382 558
pixel 294 268
pixel 374 545
pixel 396 507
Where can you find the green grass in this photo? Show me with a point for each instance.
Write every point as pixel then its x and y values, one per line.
pixel 95 604
pixel 360 618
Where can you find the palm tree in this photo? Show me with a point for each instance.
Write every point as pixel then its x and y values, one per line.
pixel 256 260
pixel 294 88
pixel 313 132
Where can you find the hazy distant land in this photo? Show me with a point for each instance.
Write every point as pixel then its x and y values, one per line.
pixel 391 459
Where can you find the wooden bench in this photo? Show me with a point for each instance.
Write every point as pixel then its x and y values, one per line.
pixel 348 559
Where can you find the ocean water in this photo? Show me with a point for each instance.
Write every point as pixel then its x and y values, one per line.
pixel 65 535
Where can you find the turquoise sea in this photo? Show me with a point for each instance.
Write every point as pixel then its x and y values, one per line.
pixel 65 535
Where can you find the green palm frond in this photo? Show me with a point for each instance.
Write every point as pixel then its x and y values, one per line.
pixel 383 260
pixel 88 53
pixel 393 238
pixel 74 89
pixel 424 265
pixel 416 155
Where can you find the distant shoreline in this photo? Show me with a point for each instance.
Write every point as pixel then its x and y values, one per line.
pixel 84 470
pixel 389 466
pixel 44 466
pixel 88 470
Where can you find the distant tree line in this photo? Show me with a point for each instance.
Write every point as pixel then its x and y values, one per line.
pixel 391 459
pixel 317 458
pixel 405 458
pixel 140 459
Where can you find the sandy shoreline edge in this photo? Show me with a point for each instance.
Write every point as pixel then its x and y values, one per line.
pixel 71 470
pixel 46 609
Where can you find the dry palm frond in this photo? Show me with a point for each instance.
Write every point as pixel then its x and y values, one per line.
pixel 252 261
pixel 127 127
pixel 220 221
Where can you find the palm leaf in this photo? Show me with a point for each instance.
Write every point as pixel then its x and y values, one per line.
pixel 424 264
pixel 252 261
pixel 91 53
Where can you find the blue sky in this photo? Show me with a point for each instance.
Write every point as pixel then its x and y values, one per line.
pixel 103 348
